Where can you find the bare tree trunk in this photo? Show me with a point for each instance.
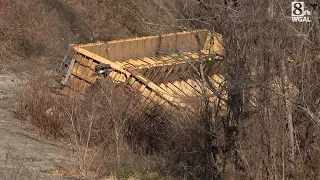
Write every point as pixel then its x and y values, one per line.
pixel 117 146
pixel 209 122
pixel 271 9
pixel 288 107
pixel 317 25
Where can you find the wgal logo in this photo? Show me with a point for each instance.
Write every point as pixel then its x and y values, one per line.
pixel 299 12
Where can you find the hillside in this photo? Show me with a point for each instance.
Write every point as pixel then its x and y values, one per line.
pixel 270 128
pixel 34 36
pixel 33 28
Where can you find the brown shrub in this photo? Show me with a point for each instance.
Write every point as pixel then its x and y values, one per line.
pixel 29 30
pixel 42 108
pixel 114 129
pixel 46 27
pixel 109 20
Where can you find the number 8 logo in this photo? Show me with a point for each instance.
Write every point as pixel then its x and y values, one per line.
pixel 297 9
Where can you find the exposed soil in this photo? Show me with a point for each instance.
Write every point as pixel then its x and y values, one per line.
pixel 23 154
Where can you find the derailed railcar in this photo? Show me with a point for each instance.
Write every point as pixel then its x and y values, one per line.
pixel 162 68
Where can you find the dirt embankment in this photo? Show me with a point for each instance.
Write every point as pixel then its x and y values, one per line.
pixel 23 154
pixel 33 28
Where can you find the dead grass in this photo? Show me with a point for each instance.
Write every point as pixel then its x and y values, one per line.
pixel 33 28
pixel 114 132
pixel 124 18
pixel 114 135
pixel 41 107
pixel 28 29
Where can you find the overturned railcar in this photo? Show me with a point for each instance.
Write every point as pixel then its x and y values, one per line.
pixel 162 68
